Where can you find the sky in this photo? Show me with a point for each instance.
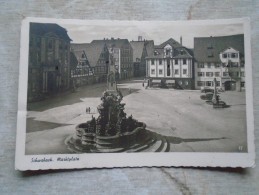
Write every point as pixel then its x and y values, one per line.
pixel 157 31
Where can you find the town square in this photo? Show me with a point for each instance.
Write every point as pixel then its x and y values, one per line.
pixel 102 95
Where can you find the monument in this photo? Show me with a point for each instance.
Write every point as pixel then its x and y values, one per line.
pixel 112 130
pixel 217 103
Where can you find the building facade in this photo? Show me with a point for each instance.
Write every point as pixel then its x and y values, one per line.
pixel 123 56
pixel 92 63
pixel 49 60
pixel 221 58
pixel 170 65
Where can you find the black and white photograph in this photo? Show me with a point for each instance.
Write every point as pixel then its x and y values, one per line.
pixel 110 89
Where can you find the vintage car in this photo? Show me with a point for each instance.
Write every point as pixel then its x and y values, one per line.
pixel 207 96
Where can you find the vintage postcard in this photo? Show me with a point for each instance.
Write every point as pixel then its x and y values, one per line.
pixel 100 93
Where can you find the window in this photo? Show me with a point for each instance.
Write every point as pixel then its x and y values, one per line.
pixel 176 61
pixel 200 74
pixel 167 52
pixel 152 71
pixel 210 54
pixel 234 64
pixel 38 57
pixel 234 55
pixel 242 84
pixel 209 74
pixel 184 71
pixel 60 45
pixel 209 83
pixel 218 83
pixel 217 74
pixel 152 62
pixel 200 83
pixel 225 74
pixel 176 72
pixel 180 82
pixel 168 69
pixel 209 46
pixel 160 61
pixel 50 44
pixel 200 65
pixel 217 65
pixel 184 61
pixel 209 65
pixel 186 82
pixel 160 71
pixel 224 55
pixel 242 74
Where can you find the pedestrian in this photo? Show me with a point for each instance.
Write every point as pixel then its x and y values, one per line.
pixel 143 84
pixel 89 109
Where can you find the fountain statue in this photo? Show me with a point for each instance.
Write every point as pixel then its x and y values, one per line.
pixel 112 130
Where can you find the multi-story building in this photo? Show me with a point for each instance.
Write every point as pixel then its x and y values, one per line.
pixel 221 58
pixel 93 61
pixel 49 60
pixel 141 48
pixel 172 65
pixel 123 56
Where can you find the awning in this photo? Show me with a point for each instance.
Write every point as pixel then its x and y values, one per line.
pixel 170 81
pixel 156 81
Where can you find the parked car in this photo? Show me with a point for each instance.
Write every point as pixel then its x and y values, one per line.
pixel 206 90
pixel 207 96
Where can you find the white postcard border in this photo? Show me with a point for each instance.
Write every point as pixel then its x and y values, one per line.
pixel 99 160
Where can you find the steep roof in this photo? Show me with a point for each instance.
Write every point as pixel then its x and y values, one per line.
pixel 149 47
pixel 171 42
pixel 92 50
pixel 207 49
pixel 179 51
pixel 78 49
pixel 118 43
pixel 137 47
pixel 182 52
pixel 43 28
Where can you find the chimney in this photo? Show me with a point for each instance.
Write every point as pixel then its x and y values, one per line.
pixel 139 38
pixel 181 40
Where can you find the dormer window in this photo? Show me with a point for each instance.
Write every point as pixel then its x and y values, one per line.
pixel 225 55
pixel 181 52
pixel 210 54
pixel 209 46
pixel 234 55
pixel 155 53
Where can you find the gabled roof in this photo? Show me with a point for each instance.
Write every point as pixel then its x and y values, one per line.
pixel 182 52
pixel 179 51
pixel 44 28
pixel 205 46
pixel 79 48
pixel 73 60
pixel 118 43
pixel 171 42
pixel 149 44
pixel 137 47
pixel 92 50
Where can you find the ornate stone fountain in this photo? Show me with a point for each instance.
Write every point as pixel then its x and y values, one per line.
pixel 112 130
